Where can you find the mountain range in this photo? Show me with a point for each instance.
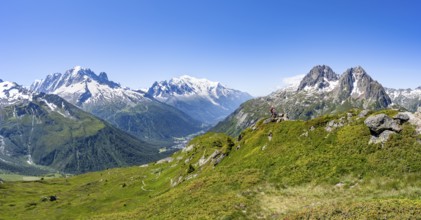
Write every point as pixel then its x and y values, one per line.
pixel 132 111
pixel 42 133
pixel 50 128
pixel 320 92
pixel 204 100
pixel 407 98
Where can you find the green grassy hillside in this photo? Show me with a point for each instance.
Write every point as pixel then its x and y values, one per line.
pixel 64 138
pixel 287 170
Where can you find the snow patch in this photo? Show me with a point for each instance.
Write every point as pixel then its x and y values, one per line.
pixel 52 106
pixel 29 160
pixel 355 90
pixel 76 69
pixel 11 93
pixel 332 85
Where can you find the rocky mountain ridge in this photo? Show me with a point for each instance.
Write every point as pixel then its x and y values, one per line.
pixel 82 87
pixel 407 98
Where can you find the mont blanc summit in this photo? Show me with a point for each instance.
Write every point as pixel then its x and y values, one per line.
pixel 202 99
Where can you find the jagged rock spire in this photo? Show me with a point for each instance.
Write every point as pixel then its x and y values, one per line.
pixel 319 77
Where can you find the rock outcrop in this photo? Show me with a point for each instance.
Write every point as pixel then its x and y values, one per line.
pixel 382 126
pixel 380 123
pixel 401 118
pixel 415 119
pixel 279 117
pixel 331 125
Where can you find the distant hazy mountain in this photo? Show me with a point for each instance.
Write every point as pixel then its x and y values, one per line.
pixel 321 91
pixel 202 99
pixel 129 110
pixel 40 133
pixel 407 98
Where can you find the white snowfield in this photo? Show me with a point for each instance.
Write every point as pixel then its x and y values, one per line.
pixel 80 82
pixel 11 93
pixel 185 87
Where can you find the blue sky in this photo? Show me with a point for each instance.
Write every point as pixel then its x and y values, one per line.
pixel 248 45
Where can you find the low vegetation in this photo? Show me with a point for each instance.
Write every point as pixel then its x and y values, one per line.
pixel 286 170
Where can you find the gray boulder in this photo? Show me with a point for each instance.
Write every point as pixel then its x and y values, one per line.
pixel 382 138
pixel 334 124
pixel 401 118
pixel 379 123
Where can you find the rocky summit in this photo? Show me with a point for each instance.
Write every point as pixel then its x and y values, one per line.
pixel 356 85
pixel 319 78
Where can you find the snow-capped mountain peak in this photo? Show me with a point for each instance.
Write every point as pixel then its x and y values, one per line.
pixel 11 93
pixel 195 81
pixel 190 85
pixel 187 86
pixel 81 85
pixel 76 70
pixel 321 78
pixel 205 100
